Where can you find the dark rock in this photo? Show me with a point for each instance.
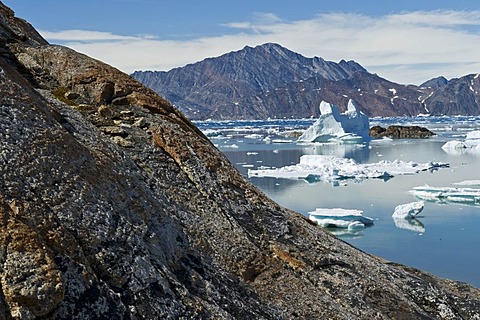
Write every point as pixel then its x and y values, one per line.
pixel 162 227
pixel 400 132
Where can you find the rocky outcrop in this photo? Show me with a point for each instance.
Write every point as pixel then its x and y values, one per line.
pixel 400 132
pixel 114 206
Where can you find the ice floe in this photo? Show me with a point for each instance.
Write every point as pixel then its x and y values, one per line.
pixel 350 219
pixel 333 126
pixel 470 196
pixel 471 144
pixel 333 169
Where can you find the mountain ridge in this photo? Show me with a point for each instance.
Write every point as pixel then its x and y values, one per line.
pixel 232 85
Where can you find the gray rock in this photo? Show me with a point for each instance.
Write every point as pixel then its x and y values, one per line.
pixel 164 228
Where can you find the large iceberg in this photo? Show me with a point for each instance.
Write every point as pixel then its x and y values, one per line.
pixel 332 169
pixel 350 219
pixel 333 126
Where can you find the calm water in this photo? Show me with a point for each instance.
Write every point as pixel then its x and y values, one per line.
pixel 447 236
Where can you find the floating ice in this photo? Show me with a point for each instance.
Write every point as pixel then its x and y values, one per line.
pixel 340 218
pixel 470 145
pixel 333 126
pixel 333 169
pixel 408 210
pixel 469 196
pixel 468 183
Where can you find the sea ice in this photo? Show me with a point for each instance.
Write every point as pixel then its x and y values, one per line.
pixel 350 219
pixel 408 210
pixel 469 196
pixel 332 169
pixel 333 126
pixel 471 144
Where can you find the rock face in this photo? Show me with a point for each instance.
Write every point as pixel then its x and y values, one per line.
pixel 400 132
pixel 272 81
pixel 114 206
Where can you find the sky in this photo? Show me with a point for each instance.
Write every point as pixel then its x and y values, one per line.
pixel 407 41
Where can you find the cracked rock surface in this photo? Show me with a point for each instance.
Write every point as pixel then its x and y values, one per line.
pixel 114 206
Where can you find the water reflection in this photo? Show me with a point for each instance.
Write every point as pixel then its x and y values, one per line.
pixel 411 224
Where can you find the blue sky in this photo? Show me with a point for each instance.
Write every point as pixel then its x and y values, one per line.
pixel 403 41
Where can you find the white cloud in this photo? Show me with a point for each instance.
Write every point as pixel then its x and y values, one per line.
pixel 408 47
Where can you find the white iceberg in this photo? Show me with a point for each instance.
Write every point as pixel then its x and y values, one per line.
pixel 333 126
pixel 408 210
pixel 470 196
pixel 471 144
pixel 332 169
pixel 340 218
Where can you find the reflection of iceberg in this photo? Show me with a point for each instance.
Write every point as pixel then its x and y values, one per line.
pixel 470 196
pixel 470 145
pixel 333 169
pixel 352 220
pixel 411 224
pixel 333 126
pixel 408 210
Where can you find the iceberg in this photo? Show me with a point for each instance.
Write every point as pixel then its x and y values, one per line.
pixel 333 169
pixel 333 126
pixel 404 216
pixel 350 219
pixel 471 144
pixel 470 196
pixel 408 210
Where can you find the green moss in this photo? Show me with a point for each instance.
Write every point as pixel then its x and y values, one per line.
pixel 60 92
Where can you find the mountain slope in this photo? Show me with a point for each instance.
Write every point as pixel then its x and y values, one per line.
pixel 216 83
pixel 272 81
pixel 114 206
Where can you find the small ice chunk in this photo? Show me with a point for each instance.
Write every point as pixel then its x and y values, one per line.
pixel 408 210
pixel 340 218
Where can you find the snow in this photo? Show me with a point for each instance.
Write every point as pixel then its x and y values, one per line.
pixel 333 126
pixel 333 169
pixel 393 91
pixel 408 210
pixel 448 194
pixel 340 218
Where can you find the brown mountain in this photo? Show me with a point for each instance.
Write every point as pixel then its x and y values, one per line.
pixel 272 81
pixel 114 206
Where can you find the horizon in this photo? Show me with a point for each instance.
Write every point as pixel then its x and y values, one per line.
pixel 409 42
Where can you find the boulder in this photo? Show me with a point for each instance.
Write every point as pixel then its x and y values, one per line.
pixel 400 132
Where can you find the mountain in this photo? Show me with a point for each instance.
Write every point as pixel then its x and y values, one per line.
pixel 272 81
pixel 435 83
pixel 114 206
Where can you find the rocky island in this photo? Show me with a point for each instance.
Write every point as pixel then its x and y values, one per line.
pixel 114 206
